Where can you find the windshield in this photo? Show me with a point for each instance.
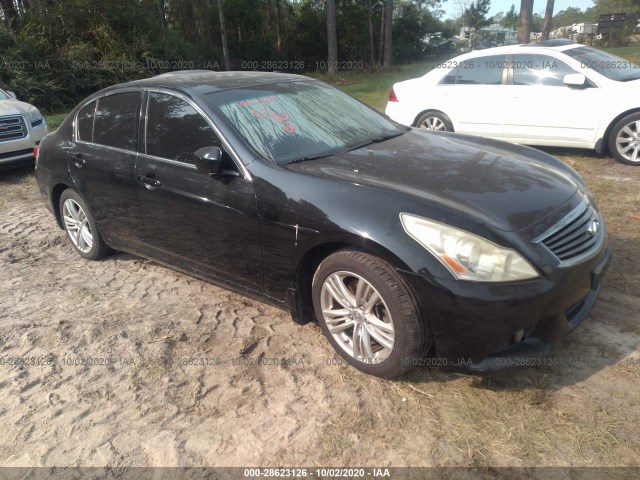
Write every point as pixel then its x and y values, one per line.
pixel 612 67
pixel 3 95
pixel 299 120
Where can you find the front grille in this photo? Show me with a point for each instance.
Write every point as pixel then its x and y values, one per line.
pixel 575 236
pixel 12 127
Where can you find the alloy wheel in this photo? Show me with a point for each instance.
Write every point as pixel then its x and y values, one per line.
pixel 77 225
pixel 357 317
pixel 628 141
pixel 433 123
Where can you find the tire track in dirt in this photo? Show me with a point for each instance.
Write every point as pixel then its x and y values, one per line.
pixel 186 373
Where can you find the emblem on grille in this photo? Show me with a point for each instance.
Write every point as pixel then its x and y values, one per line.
pixel 593 228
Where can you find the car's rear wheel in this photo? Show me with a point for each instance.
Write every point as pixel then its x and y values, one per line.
pixel 368 313
pixel 434 120
pixel 81 227
pixel 624 141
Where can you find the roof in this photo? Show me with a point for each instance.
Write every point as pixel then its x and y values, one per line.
pixel 206 81
pixel 557 45
pixel 559 42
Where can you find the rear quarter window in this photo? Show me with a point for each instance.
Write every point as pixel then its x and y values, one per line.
pixel 85 122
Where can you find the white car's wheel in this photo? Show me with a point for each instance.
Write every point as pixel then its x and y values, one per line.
pixel 434 120
pixel 624 140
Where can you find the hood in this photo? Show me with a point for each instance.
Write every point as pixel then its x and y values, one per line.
pixel 497 183
pixel 14 107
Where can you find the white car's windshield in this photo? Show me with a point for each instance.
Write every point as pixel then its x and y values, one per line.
pixel 4 95
pixel 612 67
pixel 300 120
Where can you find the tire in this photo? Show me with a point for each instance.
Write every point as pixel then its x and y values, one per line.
pixel 399 335
pixel 435 121
pixel 85 238
pixel 624 140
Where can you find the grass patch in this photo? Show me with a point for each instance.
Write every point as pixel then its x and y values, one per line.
pixel 373 87
pixel 629 52
pixel 55 119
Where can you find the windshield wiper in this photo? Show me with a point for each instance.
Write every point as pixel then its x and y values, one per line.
pixel 309 157
pixel 379 139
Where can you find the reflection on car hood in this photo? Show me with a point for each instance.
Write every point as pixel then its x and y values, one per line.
pixel 492 181
pixel 13 107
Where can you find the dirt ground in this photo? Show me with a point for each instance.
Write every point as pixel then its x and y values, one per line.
pixel 126 363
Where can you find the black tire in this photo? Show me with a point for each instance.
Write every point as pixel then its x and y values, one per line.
pixel 410 328
pixel 98 249
pixel 431 116
pixel 616 147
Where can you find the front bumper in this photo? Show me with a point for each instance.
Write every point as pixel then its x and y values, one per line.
pixel 19 151
pixel 485 327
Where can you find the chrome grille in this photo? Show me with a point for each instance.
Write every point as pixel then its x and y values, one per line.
pixel 12 127
pixel 579 233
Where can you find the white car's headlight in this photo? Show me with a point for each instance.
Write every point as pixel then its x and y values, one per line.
pixel 34 115
pixel 467 256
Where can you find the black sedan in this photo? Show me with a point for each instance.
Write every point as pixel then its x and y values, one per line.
pixel 406 246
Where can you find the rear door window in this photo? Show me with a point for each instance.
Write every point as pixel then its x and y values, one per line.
pixel 115 122
pixel 477 71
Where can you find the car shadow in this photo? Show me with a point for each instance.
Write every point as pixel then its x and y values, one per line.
pixel 606 338
pixel 573 152
pixel 16 174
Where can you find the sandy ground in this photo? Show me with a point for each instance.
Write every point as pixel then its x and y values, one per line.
pixel 126 363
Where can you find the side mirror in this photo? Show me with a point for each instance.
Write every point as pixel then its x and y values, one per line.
pixel 12 94
pixel 575 80
pixel 208 160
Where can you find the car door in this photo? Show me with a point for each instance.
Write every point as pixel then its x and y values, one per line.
pixel 101 163
pixel 202 222
pixel 544 109
pixel 472 95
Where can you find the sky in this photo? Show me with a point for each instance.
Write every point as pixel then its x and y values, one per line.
pixel 538 6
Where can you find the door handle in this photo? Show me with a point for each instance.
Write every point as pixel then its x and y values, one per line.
pixel 150 183
pixel 78 160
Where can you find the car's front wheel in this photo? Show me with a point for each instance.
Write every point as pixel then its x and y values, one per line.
pixel 624 141
pixel 368 313
pixel 433 120
pixel 81 227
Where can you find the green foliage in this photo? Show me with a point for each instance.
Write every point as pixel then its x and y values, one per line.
pixel 475 16
pixel 60 51
pixel 79 46
pixel 410 27
pixel 511 18
pixel 569 16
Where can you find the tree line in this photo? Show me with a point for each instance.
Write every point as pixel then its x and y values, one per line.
pixel 474 15
pixel 54 52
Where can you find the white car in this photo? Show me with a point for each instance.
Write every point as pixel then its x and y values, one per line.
pixel 22 127
pixel 549 94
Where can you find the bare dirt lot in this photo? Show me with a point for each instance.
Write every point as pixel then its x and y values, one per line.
pixel 123 362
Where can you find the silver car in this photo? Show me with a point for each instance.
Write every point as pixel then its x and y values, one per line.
pixel 22 127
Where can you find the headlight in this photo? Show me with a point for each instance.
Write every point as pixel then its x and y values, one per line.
pixel 467 256
pixel 34 116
